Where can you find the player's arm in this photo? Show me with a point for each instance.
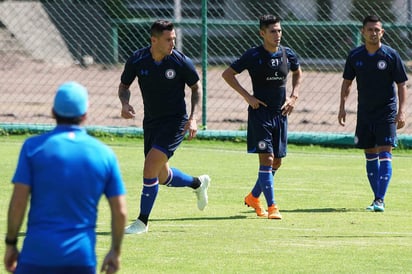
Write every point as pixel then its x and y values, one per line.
pixel 111 262
pixel 124 96
pixel 401 117
pixel 15 216
pixel 230 77
pixel 191 125
pixel 290 102
pixel 344 94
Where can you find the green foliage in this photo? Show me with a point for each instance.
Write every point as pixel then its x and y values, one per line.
pixel 322 193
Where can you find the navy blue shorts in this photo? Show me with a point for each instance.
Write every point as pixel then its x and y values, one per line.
pixel 165 135
pixel 267 132
pixel 370 135
pixel 23 268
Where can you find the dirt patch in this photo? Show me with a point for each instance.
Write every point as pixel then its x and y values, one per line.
pixel 27 88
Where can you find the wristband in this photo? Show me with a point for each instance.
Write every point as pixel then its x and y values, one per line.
pixel 12 242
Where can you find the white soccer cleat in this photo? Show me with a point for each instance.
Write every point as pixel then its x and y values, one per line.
pixel 201 192
pixel 137 227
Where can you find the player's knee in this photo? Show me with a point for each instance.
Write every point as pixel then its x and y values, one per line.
pixel 277 162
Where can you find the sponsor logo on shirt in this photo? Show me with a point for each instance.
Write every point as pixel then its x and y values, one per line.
pixel 275 78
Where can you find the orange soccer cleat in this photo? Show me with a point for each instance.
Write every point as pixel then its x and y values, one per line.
pixel 251 201
pixel 273 212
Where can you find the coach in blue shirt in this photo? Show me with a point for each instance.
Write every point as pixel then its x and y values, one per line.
pixel 376 68
pixel 63 174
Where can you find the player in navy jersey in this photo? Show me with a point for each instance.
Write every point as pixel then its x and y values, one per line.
pixel 269 106
pixel 376 67
pixel 162 74
pixel 62 174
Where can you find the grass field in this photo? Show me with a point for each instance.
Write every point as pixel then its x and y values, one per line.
pixel 322 193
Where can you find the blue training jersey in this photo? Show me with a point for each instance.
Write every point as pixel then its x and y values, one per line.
pixel 375 77
pixel 68 172
pixel 267 73
pixel 162 84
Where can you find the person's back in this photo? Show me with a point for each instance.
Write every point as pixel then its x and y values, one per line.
pixel 73 170
pixel 63 174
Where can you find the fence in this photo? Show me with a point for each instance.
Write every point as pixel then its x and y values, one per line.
pixel 43 43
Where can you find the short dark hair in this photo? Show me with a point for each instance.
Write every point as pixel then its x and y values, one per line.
pixel 60 120
pixel 267 19
pixel 159 26
pixel 371 18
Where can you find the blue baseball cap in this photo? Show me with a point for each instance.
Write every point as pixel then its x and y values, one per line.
pixel 71 100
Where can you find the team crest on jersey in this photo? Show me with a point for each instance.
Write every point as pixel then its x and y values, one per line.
pixel 382 64
pixel 170 74
pixel 262 145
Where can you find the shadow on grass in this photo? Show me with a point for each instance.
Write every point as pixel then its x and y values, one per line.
pixel 321 210
pixel 200 218
pixel 318 210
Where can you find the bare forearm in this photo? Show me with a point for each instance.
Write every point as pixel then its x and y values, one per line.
pixel 119 218
pixel 296 80
pixel 195 99
pixel 124 94
pixel 229 76
pixel 345 90
pixel 17 210
pixel 402 97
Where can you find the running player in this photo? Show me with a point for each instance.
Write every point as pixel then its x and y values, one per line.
pixel 162 74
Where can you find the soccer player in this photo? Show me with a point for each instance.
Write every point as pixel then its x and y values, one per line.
pixel 376 67
pixel 162 73
pixel 63 174
pixel 269 106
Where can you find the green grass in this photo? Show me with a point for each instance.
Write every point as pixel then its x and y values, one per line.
pixel 322 193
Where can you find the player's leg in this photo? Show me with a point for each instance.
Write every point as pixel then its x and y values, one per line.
pixel 365 139
pixel 200 185
pixel 385 171
pixel 279 149
pixel 169 141
pixel 385 139
pixel 265 177
pixel 255 134
pixel 154 162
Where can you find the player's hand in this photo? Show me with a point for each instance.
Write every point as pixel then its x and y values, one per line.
pixel 127 111
pixel 288 106
pixel 342 117
pixel 111 263
pixel 10 258
pixel 400 120
pixel 190 126
pixel 254 102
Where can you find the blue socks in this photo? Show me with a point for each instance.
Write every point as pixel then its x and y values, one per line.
pixel 385 174
pixel 257 190
pixel 150 189
pixel 372 169
pixel 265 179
pixel 149 193
pixel 177 178
pixel 379 171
